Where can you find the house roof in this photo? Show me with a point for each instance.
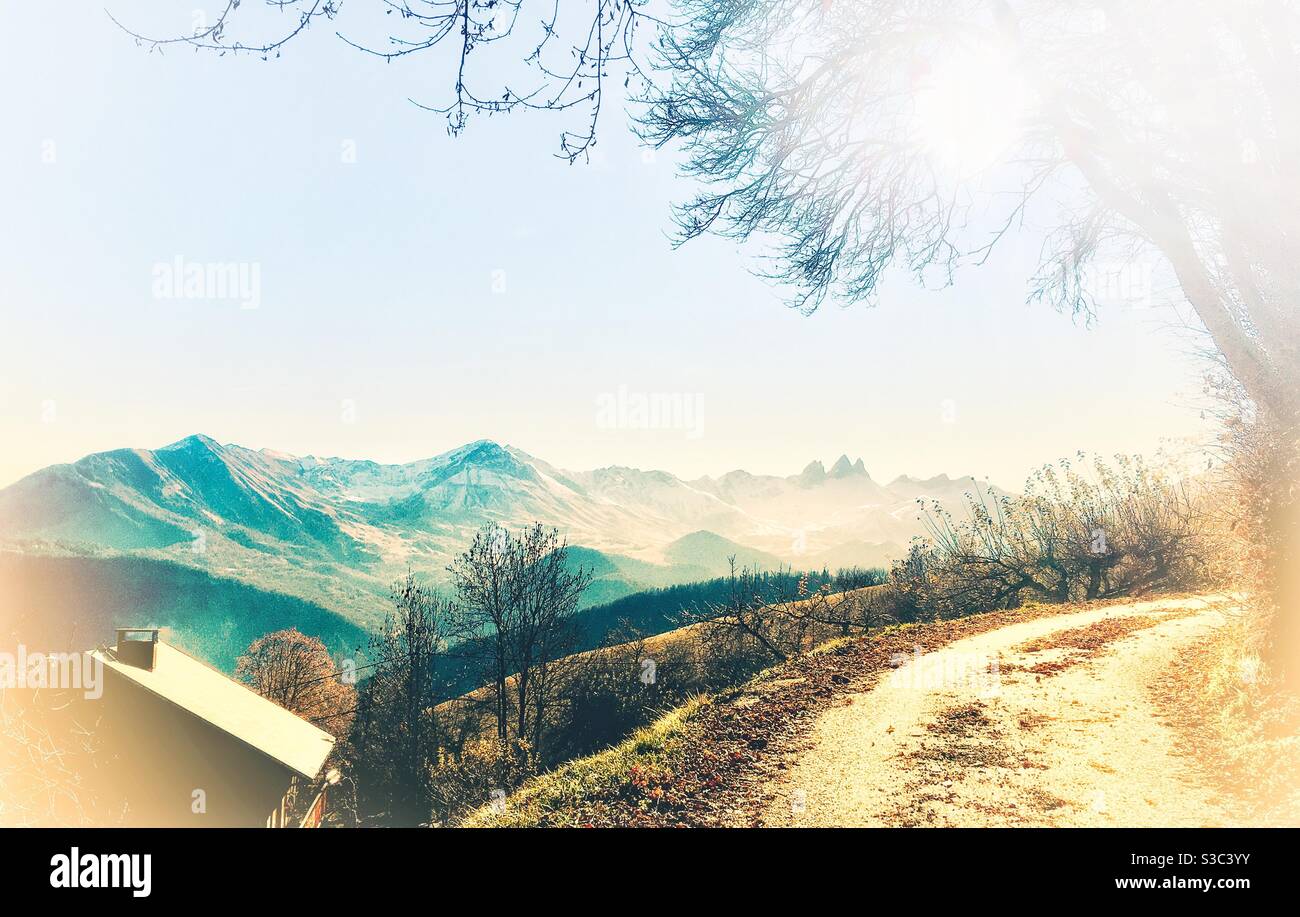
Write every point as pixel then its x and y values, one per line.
pixel 230 706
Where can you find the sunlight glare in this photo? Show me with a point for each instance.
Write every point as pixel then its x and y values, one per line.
pixel 969 109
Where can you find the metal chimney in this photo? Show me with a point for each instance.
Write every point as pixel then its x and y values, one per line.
pixel 138 646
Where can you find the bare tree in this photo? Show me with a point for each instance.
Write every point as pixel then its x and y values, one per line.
pixel 1155 136
pixel 743 614
pixel 399 733
pixel 487 612
pixel 779 616
pixel 549 596
pixel 1159 132
pixel 1154 126
pixel 1167 126
pixel 549 57
pixel 518 593
pixel 298 673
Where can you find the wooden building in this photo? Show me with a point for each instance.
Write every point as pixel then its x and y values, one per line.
pixel 182 744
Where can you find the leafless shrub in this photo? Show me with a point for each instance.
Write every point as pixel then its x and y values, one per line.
pixel 1115 529
pixel 764 620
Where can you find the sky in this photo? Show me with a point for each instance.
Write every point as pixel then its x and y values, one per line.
pixel 415 292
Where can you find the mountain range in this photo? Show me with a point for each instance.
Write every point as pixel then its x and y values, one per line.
pixel 336 532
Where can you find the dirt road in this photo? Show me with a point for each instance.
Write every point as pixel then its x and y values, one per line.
pixel 1047 722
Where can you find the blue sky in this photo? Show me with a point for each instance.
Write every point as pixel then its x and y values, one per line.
pixel 383 330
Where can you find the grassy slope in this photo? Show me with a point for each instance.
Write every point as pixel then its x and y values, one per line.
pixel 662 641
pixel 567 787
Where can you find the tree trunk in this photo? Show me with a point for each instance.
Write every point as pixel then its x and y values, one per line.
pixel 1156 217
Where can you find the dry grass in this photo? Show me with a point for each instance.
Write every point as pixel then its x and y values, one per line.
pixel 41 762
pixel 1238 723
pixel 629 778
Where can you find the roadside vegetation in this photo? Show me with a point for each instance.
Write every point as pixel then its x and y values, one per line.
pixel 1082 530
pixel 636 770
pixel 1236 701
pixel 1238 719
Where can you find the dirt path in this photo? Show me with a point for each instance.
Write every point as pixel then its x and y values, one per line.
pixel 1042 723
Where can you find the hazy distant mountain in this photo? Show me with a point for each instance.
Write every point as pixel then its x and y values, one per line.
pixel 714 554
pixel 336 532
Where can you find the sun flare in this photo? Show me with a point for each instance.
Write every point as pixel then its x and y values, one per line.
pixel 969 109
